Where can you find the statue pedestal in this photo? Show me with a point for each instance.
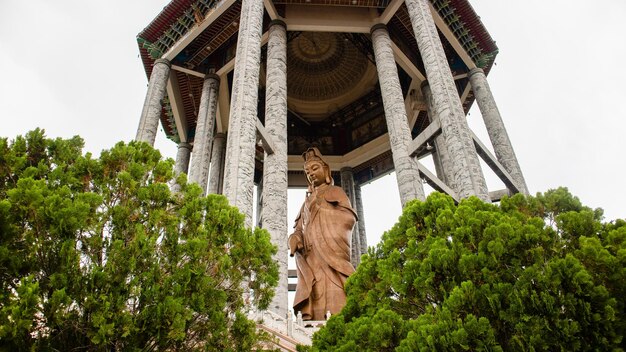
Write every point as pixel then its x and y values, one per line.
pixel 288 332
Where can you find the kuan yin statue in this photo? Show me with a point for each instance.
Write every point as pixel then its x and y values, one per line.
pixel 321 242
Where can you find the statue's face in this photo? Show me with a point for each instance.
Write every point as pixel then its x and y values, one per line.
pixel 315 173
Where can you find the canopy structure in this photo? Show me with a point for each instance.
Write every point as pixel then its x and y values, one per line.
pixel 334 104
pixel 375 85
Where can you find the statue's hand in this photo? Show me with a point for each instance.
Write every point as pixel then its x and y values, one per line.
pixel 295 244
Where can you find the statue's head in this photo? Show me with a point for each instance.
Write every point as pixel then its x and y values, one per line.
pixel 316 170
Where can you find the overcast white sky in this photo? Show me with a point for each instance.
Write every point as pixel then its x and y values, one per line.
pixel 72 67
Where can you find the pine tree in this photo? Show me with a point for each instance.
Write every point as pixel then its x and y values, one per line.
pixel 99 254
pixel 530 274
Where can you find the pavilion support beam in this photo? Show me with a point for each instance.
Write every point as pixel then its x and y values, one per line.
pixel 412 104
pixel 274 137
pixel 459 76
pixel 427 134
pixel 407 173
pixel 223 105
pixel 176 103
pixel 203 141
pixel 413 114
pixel 417 77
pixel 224 70
pixel 495 165
pixel 195 31
pixel 495 127
pixel 271 9
pixel 466 93
pixel 468 176
pixel 266 139
pixel 435 182
pixel 151 112
pixel 188 71
pixel 353 159
pixel 328 19
pixel 497 196
pixel 406 63
pixel 390 11
pixel 240 148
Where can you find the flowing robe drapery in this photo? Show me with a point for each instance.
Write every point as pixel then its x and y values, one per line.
pixel 324 227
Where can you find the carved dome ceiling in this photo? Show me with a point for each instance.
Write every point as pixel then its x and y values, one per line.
pixel 325 71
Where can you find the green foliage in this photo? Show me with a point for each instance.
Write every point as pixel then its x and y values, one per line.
pixel 98 254
pixel 530 274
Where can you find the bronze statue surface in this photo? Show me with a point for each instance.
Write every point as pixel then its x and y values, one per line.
pixel 321 242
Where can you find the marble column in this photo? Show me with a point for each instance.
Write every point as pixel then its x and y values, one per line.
pixel 440 155
pixel 151 112
pixel 407 172
pixel 216 175
pixel 466 170
pixel 240 147
pixel 347 183
pixel 182 158
pixel 182 162
pixel 203 140
pixel 275 166
pixel 361 224
pixel 495 127
pixel 259 204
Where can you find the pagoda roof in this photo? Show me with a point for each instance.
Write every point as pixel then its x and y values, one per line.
pixel 179 16
pixel 198 35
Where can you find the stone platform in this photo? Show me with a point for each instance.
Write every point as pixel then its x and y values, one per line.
pixel 288 332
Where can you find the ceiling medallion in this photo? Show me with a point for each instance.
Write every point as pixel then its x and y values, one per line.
pixel 323 66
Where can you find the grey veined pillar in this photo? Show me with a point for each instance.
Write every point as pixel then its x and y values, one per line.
pixel 274 210
pixel 495 127
pixel 466 170
pixel 360 213
pixel 203 140
pixel 216 175
pixel 347 183
pixel 182 162
pixel 239 167
pixel 259 204
pixel 151 112
pixel 407 172
pixel 440 156
pixel 182 158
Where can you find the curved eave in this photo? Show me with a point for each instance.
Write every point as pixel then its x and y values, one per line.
pixel 475 25
pixel 146 59
pixel 176 9
pixel 170 13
